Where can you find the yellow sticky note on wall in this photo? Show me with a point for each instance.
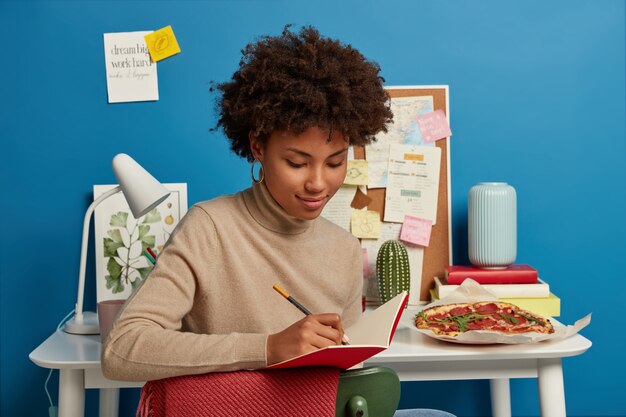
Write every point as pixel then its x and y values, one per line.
pixel 365 224
pixel 357 173
pixel 162 44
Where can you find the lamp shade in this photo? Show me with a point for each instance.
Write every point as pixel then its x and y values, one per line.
pixel 142 191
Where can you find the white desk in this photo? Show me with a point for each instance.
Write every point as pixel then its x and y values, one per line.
pixel 416 357
pixel 413 356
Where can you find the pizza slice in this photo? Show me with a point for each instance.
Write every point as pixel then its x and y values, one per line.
pixel 454 319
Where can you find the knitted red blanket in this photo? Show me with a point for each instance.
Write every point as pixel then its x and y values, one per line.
pixel 269 393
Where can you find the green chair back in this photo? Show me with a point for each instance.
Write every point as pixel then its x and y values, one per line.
pixel 368 392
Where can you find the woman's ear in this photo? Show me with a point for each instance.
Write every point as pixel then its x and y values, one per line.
pixel 256 146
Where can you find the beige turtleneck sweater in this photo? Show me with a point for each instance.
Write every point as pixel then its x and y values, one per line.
pixel 209 305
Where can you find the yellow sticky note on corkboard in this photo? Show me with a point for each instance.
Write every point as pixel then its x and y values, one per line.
pixel 357 173
pixel 365 224
pixel 162 44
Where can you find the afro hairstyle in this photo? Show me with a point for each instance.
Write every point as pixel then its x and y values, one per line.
pixel 300 80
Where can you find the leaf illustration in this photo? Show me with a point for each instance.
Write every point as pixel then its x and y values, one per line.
pixel 147 242
pixel 135 283
pixel 124 249
pixel 162 43
pixel 135 250
pixel 145 271
pixel 119 219
pixel 122 256
pixel 152 217
pixel 115 285
pixel 116 236
pixel 125 235
pixel 143 230
pixel 114 269
pixel 111 247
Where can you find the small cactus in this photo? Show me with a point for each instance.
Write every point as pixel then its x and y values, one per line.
pixel 392 270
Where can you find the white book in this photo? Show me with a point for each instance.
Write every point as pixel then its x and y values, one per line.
pixel 537 290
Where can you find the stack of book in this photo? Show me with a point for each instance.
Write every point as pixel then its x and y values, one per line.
pixel 517 284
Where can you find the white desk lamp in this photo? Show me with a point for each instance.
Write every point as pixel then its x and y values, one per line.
pixel 143 193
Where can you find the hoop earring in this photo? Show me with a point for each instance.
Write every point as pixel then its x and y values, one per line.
pixel 261 172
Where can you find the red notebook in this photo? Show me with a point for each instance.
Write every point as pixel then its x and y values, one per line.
pixel 513 274
pixel 368 336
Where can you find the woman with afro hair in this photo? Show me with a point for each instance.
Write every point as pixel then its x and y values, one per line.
pixel 295 104
pixel 293 107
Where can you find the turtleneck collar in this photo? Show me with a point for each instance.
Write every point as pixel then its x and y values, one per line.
pixel 266 211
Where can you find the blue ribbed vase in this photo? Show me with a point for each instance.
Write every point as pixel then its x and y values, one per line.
pixel 492 225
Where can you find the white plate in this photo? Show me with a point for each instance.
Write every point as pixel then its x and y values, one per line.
pixel 484 337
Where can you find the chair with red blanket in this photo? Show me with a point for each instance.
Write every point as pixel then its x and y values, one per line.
pixel 315 392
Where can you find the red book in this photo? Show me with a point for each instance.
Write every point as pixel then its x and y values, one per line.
pixel 512 274
pixel 368 336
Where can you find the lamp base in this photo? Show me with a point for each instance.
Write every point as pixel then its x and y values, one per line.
pixel 88 325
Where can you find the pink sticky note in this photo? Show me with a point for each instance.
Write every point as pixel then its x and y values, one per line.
pixel 433 126
pixel 366 264
pixel 416 230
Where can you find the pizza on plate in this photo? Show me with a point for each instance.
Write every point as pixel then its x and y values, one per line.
pixel 454 319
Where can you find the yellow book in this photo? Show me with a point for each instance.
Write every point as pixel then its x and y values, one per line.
pixel 547 307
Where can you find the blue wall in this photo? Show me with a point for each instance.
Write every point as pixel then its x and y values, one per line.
pixel 537 94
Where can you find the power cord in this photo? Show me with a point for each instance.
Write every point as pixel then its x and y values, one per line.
pixel 53 409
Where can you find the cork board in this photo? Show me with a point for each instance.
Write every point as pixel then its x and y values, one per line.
pixel 439 251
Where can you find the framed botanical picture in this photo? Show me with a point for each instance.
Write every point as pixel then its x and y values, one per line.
pixel 122 241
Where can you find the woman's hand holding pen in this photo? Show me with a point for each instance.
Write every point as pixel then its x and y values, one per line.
pixel 312 332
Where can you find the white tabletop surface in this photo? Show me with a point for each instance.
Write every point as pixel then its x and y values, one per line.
pixel 66 351
pixel 410 343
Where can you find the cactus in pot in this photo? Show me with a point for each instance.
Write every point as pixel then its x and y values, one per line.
pixel 392 270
